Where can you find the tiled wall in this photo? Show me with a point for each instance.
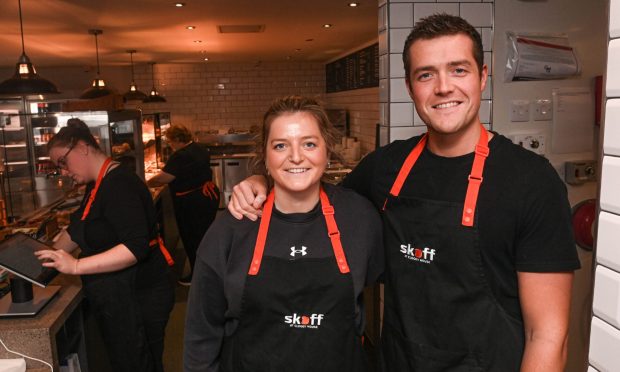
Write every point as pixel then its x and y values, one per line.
pixel 396 18
pixel 605 329
pixel 363 108
pixel 219 96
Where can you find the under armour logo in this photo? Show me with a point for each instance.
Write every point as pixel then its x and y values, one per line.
pixel 296 251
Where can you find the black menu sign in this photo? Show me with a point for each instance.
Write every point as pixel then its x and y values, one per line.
pixel 355 71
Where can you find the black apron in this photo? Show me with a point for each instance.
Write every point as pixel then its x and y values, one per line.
pixel 296 315
pixel 440 314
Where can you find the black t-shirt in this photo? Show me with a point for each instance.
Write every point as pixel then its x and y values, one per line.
pixel 523 211
pixel 122 212
pixel 224 256
pixel 191 167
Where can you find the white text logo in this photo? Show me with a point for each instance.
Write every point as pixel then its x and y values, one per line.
pixel 304 321
pixel 425 255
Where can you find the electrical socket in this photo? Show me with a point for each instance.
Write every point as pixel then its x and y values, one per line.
pixel 543 109
pixel 534 142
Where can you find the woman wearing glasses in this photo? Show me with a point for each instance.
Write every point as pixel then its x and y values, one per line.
pixel 124 270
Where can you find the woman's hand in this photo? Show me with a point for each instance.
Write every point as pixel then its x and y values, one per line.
pixel 59 260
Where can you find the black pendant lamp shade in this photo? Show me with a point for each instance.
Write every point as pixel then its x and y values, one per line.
pixel 26 81
pixel 133 94
pixel 154 95
pixel 98 88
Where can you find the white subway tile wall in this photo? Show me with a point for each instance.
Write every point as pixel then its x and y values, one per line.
pixel 218 96
pixel 479 13
pixel 614 19
pixel 607 252
pixel 604 346
pixel 605 330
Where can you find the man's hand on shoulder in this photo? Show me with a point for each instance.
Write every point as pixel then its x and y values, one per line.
pixel 248 197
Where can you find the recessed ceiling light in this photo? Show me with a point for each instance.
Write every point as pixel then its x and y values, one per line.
pixel 353 5
pixel 191 27
pixel 327 25
pixel 179 5
pixel 206 58
pixel 197 41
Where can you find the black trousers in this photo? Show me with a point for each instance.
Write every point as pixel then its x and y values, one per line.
pixel 132 321
pixel 194 213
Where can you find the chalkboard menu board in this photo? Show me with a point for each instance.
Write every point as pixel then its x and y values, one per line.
pixel 355 71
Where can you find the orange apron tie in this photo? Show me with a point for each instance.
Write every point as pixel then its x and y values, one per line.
pixel 159 241
pixel 208 189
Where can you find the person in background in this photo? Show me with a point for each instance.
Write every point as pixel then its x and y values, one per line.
pixel 124 270
pixel 478 240
pixel 285 294
pixel 195 197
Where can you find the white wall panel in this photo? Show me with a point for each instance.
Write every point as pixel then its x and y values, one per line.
pixel 608 241
pixel 604 346
pixel 478 14
pixel 613 71
pixel 401 15
pixel 614 19
pixel 401 114
pixel 611 140
pixel 610 184
pixel 607 295
pixel 398 91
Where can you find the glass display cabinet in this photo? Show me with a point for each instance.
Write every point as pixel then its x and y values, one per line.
pixel 156 150
pixel 28 179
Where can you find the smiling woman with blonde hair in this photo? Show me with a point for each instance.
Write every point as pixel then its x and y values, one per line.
pixel 285 293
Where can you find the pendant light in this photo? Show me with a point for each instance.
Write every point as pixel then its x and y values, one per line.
pixel 26 81
pixel 154 95
pixel 133 94
pixel 98 88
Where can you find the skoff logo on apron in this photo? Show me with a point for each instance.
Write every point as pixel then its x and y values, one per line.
pixel 304 321
pixel 425 255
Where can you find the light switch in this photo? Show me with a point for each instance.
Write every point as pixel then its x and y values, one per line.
pixel 519 110
pixel 543 109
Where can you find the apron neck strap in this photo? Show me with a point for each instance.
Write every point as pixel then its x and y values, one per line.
pixel 102 172
pixel 332 231
pixel 481 152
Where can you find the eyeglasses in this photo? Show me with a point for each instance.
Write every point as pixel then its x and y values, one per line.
pixel 62 161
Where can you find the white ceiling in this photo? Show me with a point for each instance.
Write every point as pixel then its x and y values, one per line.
pixel 56 31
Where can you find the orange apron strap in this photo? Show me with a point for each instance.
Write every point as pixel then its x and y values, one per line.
pixel 93 192
pixel 159 241
pixel 259 247
pixel 334 233
pixel 406 168
pixel 475 178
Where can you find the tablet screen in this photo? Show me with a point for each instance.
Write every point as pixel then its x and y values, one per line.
pixel 17 256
